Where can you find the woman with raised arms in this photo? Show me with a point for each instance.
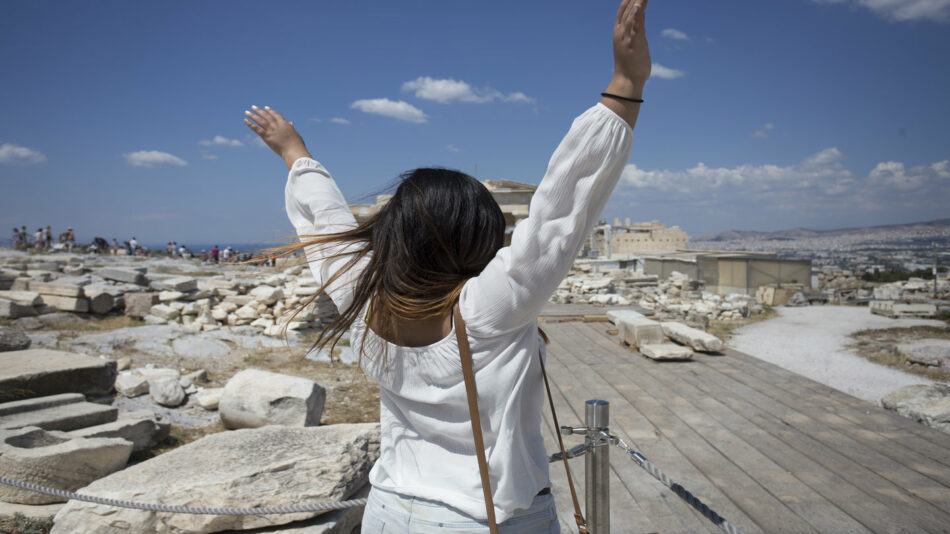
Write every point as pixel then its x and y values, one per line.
pixel 437 244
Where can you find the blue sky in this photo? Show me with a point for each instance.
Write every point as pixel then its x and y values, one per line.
pixel 124 118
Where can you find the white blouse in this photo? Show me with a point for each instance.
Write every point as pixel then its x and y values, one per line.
pixel 427 448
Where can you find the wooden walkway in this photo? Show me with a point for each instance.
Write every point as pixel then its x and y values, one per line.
pixel 769 450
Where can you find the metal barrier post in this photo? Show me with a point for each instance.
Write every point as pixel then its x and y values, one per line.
pixel 597 465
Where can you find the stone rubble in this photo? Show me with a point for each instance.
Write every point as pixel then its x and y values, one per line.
pixel 202 303
pixel 675 299
pixel 649 337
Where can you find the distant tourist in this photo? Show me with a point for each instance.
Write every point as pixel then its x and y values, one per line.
pixel 133 246
pixel 38 240
pixel 227 254
pixel 48 238
pixel 182 251
pixel 70 239
pixel 214 253
pixel 170 250
pixel 115 247
pixel 15 239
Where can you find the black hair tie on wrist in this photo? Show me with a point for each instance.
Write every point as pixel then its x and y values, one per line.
pixel 618 97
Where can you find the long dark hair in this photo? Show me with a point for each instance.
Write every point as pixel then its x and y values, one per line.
pixel 440 228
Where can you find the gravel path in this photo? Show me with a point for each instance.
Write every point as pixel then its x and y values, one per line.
pixel 811 342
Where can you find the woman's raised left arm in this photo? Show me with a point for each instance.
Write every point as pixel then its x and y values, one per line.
pixel 278 134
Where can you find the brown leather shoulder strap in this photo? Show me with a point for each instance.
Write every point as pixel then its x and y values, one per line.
pixel 468 375
pixel 578 516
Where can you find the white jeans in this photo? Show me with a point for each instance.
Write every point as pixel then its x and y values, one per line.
pixel 391 513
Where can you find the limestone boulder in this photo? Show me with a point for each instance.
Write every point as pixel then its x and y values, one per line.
pixel 56 459
pixel 182 284
pixel 269 466
pixel 38 372
pixel 131 385
pixel 12 338
pixel 614 316
pixel 209 398
pixel 139 304
pixel 254 398
pixel 929 352
pixel 164 311
pixel 666 351
pixel 929 405
pixel 13 310
pixel 101 297
pixel 166 391
pixel 638 331
pixel 695 338
pixel 66 304
pixel 129 276
pixel 267 294
pixel 25 298
pixel 58 288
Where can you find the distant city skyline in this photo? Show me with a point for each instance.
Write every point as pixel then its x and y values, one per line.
pixel 125 118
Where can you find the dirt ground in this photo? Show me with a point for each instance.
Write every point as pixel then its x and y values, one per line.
pixel 880 346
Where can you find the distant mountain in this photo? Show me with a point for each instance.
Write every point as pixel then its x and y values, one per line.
pixel 803 233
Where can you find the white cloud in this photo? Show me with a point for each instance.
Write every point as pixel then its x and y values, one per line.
pixel 892 174
pixel 339 120
pixel 818 185
pixel 446 90
pixel 220 140
pixel 20 155
pixel 765 130
pixel 673 33
pixel 659 71
pixel 518 97
pixel 150 158
pixel 452 148
pixel 902 10
pixel 403 111
pixel 209 156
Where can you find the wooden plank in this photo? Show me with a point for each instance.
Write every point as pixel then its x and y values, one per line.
pixel 797 431
pixel 837 489
pixel 668 454
pixel 625 509
pixel 902 447
pixel 888 465
pixel 926 441
pixel 809 505
pixel 665 509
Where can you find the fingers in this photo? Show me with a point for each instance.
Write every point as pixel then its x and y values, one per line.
pixel 622 10
pixel 257 129
pixel 273 114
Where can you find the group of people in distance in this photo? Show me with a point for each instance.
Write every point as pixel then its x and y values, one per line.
pixel 41 240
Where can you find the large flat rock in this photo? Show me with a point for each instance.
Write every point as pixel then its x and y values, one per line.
pixel 268 466
pixel 56 460
pixel 40 372
pixel 61 417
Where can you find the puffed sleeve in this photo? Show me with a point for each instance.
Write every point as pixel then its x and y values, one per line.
pixel 581 175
